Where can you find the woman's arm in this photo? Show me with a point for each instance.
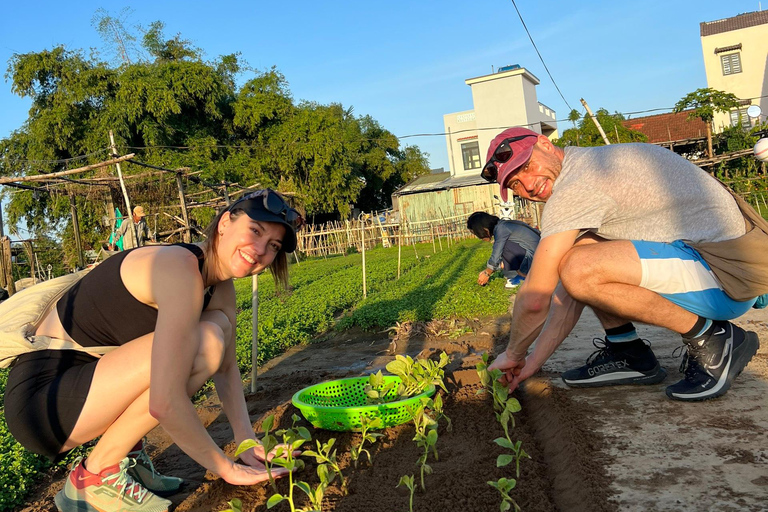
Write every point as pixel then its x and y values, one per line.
pixel 177 289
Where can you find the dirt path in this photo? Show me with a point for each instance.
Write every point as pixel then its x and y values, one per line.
pixel 623 448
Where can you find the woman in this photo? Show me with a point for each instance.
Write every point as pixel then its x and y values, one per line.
pixel 170 311
pixel 514 243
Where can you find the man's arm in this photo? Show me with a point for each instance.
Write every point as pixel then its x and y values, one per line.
pixel 532 302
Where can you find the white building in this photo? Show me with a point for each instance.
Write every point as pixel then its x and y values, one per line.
pixel 502 100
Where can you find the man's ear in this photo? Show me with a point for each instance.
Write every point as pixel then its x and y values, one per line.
pixel 544 143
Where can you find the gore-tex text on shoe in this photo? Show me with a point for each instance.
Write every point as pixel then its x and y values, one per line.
pixel 602 368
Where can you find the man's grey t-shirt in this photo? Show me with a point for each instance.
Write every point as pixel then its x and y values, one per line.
pixel 639 192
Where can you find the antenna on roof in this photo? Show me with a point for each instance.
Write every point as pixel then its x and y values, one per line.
pixel 492 70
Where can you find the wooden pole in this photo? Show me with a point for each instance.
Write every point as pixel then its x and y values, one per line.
pixel 76 229
pixel 255 333
pixel 3 280
pixel 362 231
pixel 46 177
pixel 399 247
pixel 597 123
pixel 432 231
pixel 413 240
pixel 183 203
pixel 7 270
pixel 129 213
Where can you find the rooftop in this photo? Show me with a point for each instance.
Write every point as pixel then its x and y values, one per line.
pixel 668 127
pixel 746 20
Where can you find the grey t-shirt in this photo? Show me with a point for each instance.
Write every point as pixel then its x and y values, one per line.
pixel 639 192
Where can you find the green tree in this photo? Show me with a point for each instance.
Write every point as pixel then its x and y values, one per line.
pixel 586 133
pixel 704 104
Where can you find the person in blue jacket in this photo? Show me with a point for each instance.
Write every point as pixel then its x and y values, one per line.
pixel 514 243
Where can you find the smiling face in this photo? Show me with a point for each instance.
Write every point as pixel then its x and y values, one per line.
pixel 534 179
pixel 245 246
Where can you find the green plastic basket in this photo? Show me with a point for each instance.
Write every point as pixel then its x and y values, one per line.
pixel 338 404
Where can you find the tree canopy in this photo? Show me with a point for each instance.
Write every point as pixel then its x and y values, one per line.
pixel 174 109
pixel 585 133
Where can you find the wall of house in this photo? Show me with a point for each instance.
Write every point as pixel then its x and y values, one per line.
pixel 461 128
pixel 752 81
pixel 434 205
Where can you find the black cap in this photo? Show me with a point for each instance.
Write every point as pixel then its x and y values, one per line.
pixel 255 210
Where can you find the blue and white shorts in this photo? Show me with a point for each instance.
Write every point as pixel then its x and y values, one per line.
pixel 678 273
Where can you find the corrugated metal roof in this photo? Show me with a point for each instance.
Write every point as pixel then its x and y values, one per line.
pixel 441 181
pixel 746 20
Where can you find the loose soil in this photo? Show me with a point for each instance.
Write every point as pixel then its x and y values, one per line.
pixel 603 449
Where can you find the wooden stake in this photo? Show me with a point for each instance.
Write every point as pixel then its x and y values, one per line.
pixel 129 213
pixel 432 230
pixel 255 333
pixel 7 270
pixel 399 247
pixel 76 229
pixel 365 290
pixel 183 203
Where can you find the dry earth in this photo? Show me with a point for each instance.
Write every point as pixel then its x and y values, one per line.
pixel 621 448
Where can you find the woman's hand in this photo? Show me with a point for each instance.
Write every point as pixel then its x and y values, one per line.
pixel 255 456
pixel 482 278
pixel 240 474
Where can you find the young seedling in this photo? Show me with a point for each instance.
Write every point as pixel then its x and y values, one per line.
pixel 316 495
pixel 268 442
pixel 236 505
pixel 365 425
pixel 425 438
pixel 506 459
pixel 504 485
pixel 417 376
pixel 503 405
pixel 324 455
pixel 293 438
pixel 376 390
pixel 408 482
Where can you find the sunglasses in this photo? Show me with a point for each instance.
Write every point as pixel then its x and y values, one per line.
pixel 502 154
pixel 273 203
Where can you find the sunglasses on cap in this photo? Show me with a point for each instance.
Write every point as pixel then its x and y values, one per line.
pixel 273 203
pixel 502 154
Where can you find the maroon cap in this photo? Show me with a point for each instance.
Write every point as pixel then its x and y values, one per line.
pixel 522 150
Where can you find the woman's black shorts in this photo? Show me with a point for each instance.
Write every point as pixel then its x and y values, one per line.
pixel 44 396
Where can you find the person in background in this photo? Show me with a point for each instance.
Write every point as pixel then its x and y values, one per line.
pixel 514 243
pixel 134 232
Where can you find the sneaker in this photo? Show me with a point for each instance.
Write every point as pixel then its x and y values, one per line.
pixel 144 473
pixel 612 364
pixel 710 364
pixel 112 489
pixel 513 283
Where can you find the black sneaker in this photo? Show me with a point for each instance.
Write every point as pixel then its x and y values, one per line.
pixel 711 363
pixel 617 363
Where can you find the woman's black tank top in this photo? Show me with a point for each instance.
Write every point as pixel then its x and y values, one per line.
pixel 99 310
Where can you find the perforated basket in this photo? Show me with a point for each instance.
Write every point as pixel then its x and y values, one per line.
pixel 338 404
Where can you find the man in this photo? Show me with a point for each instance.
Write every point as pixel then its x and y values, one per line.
pixel 612 239
pixel 134 232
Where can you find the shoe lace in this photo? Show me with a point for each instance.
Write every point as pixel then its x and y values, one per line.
pixel 146 461
pixel 689 366
pixel 603 350
pixel 127 485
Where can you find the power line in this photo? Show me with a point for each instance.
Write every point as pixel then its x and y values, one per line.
pixel 540 57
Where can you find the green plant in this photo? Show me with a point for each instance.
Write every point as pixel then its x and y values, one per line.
pixel 425 437
pixel 504 485
pixel 236 505
pixel 376 390
pixel 293 438
pixel 504 405
pixel 324 455
pixel 408 482
pixel 316 495
pixel 365 425
pixel 506 459
pixel 418 375
pixel 268 442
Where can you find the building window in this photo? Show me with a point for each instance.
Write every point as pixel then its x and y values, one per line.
pixel 471 154
pixel 731 63
pixel 740 117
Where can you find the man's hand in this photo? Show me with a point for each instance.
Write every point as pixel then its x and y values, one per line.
pixel 482 278
pixel 510 366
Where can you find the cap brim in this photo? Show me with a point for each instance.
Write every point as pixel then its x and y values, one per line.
pixel 517 161
pixel 289 239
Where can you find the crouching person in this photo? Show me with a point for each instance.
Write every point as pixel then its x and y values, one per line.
pixel 169 311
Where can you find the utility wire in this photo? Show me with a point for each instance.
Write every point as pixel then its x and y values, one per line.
pixel 540 57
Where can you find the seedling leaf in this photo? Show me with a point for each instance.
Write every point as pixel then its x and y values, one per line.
pixel 274 500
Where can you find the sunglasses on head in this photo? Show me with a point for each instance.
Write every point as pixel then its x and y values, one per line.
pixel 502 154
pixel 273 203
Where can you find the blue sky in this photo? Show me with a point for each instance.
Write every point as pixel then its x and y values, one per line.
pixel 405 62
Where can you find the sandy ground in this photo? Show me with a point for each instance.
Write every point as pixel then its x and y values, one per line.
pixel 627 448
pixel 667 455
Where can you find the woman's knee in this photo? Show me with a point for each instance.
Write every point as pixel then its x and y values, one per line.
pixel 213 344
